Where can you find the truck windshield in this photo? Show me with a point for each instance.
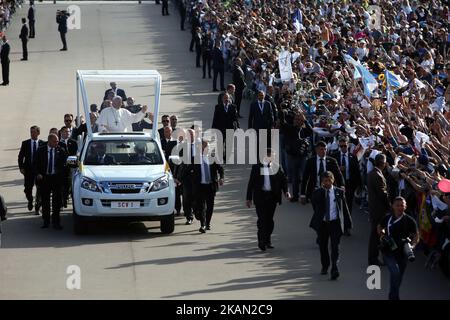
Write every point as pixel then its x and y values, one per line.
pixel 122 152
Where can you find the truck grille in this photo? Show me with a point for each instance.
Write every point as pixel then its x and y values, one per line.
pixel 107 203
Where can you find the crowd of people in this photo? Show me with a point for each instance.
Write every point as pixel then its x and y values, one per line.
pixel 364 112
pixel 367 78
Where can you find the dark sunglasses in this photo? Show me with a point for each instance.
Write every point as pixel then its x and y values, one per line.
pixel 165 121
pixel 68 120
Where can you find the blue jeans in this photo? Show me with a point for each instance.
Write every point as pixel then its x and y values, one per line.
pixel 396 267
pixel 296 166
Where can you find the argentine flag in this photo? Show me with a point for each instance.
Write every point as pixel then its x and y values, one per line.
pixel 394 80
pixel 297 19
pixel 370 84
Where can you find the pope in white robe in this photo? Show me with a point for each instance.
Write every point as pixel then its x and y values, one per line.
pixel 117 119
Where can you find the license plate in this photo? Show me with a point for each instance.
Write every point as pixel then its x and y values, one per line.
pixel 125 204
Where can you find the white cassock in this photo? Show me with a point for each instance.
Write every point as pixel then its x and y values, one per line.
pixel 117 120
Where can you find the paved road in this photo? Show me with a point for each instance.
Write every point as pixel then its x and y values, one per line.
pixel 136 261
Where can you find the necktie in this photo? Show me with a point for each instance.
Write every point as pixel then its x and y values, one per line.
pixel 327 206
pixel 226 108
pixel 50 162
pixel 207 173
pixel 344 164
pixel 321 168
pixel 34 151
pixel 261 106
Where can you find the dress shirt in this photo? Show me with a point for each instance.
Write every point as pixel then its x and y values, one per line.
pixel 333 205
pixel 266 174
pixel 205 171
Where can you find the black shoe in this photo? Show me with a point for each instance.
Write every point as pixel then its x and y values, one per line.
pixel 23 59
pixel 5 84
pixel 202 230
pixel 262 246
pixel 334 275
pixel 215 90
pixel 270 246
pixel 65 204
pixel 30 205
pixel 3 218
pixel 189 221
pixel 208 227
pixel 36 211
pixel 45 226
pixel 324 271
pixel 209 77
pixel 294 200
pixel 63 49
pixel 57 227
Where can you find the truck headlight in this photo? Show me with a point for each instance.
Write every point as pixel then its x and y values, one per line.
pixel 160 184
pixel 90 185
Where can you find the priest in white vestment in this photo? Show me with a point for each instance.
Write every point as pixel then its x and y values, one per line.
pixel 118 119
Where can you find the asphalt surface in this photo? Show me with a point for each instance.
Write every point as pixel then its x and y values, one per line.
pixel 135 261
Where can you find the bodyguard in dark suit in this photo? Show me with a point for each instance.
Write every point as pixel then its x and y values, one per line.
pixel 314 168
pixel 207 49
pixel 31 19
pixel 168 144
pixel 26 160
pixel 379 205
pixel 198 39
pixel 261 114
pixel 267 182
pixel 24 38
pixel 165 7
pixel 117 91
pixel 4 60
pixel 61 20
pixel 349 166
pixel 239 82
pixel 50 165
pixel 182 9
pixel 218 67
pixel 71 148
pixel 225 116
pixel 207 178
pixel 195 23
pixel 330 219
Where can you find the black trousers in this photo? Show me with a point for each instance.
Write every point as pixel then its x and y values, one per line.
pixel 198 55
pixel 63 39
pixel 349 195
pixel 24 49
pixel 221 72
pixel 67 186
pixel 29 183
pixel 265 209
pixel 178 193
pixel 191 46
pixel 32 30
pixel 188 200
pixel 329 232
pixel 5 72
pixel 165 8
pixel 183 19
pixel 374 242
pixel 51 185
pixel 206 56
pixel 205 204
pixel 238 97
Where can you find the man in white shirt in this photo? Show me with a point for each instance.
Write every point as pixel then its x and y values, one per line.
pixel 118 119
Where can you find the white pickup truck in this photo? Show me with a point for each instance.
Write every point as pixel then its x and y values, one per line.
pixel 121 175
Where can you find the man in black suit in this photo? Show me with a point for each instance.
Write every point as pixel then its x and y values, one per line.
pixel 26 161
pixel 182 9
pixel 267 182
pixel 165 7
pixel 198 40
pixel 168 144
pixel 239 82
pixel 225 116
pixel 207 178
pixel 231 88
pixel 4 60
pixel 61 20
pixel 207 49
pixel 71 148
pixel 31 19
pixel 24 38
pixel 165 122
pixel 50 165
pixel 314 168
pixel 117 91
pixel 195 23
pixel 349 166
pixel 218 67
pixel 330 219
pixel 261 114
pixel 379 205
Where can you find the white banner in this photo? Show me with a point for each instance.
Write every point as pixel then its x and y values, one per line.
pixel 284 63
